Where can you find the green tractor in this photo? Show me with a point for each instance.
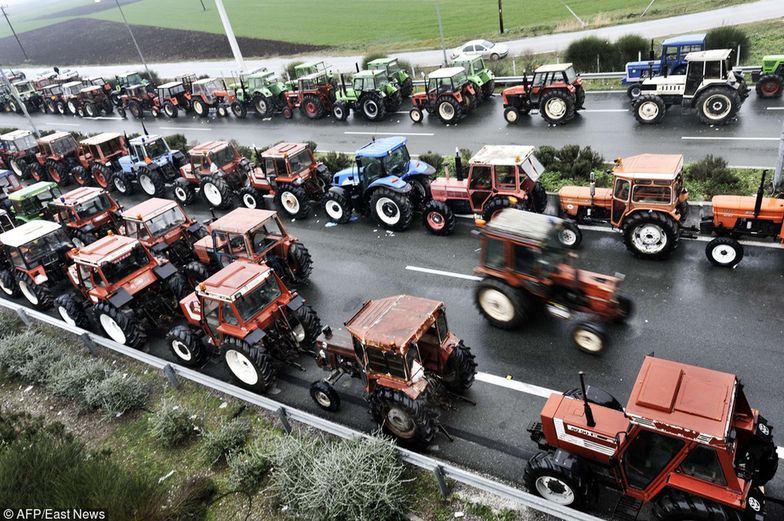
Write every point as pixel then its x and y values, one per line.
pixel 371 93
pixel 394 74
pixel 308 68
pixel 32 202
pixel 126 80
pixel 480 76
pixel 262 90
pixel 770 79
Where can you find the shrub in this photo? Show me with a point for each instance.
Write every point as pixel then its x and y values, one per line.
pixel 729 37
pixel 16 351
pixel 570 161
pixel 336 161
pixel 713 176
pixel 546 155
pixel 72 373
pixel 628 48
pixel 10 324
pixel 172 425
pixel 313 145
pixel 116 394
pixel 583 54
pixel 177 142
pixel 245 151
pixel 290 69
pixel 248 468
pixel 229 437
pixel 433 159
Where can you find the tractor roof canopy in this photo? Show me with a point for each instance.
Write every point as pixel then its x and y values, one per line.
pixel 685 39
pixel 553 67
pixel 393 322
pixel 101 138
pixel 502 155
pixel 15 134
pixel 170 85
pixel 105 250
pixel 381 62
pixel 148 209
pixel 283 150
pixel 78 195
pixel 381 147
pixel 210 146
pixel 141 140
pixel 446 72
pixel 233 281
pixel 32 190
pixel 53 137
pixel 28 232
pixel 242 220
pixel 528 226
pixel 650 166
pixel 709 56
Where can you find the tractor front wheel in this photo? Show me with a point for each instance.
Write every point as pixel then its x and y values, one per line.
pixel 216 191
pixel 674 505
pixel 460 369
pixel 239 110
pixel 340 111
pixel 263 106
pixel 251 198
pixel 122 183
pixel 420 191
pixel 102 175
pixel 650 235
pixel 589 337
pixel 251 366
pixel 57 172
pixel 325 396
pixel 9 285
pixel 724 252
pixel 634 91
pixel 337 207
pixel 90 110
pixel 300 262
pixel 293 201
pixel 769 86
pixel 135 108
pixel 36 172
pixel 488 89
pixel 511 115
pixel 392 210
pixel 416 115
pixel 183 191
pixel 570 236
pixel 185 344
pixel 121 326
pixel 718 106
pixel 195 272
pixel 39 295
pixel 625 309
pixel 306 327
pixel 80 176
pixel 19 166
pixel 502 305
pixel 411 422
pixel 557 107
pixel 70 309
pixel 563 485
pixel 438 218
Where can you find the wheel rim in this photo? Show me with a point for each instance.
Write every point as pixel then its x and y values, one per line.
pixel 261 106
pixel 416 116
pixel 241 367
pixel 568 237
pixel 290 203
pixel 724 254
pixel 649 238
pixel 636 91
pixel 7 290
pixel 334 210
pixel 78 242
pixel 588 340
pixel 400 422
pixel 181 350
pixel 496 304
pixel 119 183
pixel 446 111
pixel 112 328
pixel 648 110
pixel 71 106
pixel 90 111
pixel 555 108
pixel 147 185
pixel 555 490
pixel 371 109
pixel 310 108
pixel 198 107
pixel 249 201
pixel 770 87
pixel 435 220
pixel 168 110
pixel 323 399
pixel 28 292
pixel 179 193
pixel 388 211
pixel 65 316
pixel 53 174
pixel 717 106
pixel 15 167
pixel 511 116
pixel 100 179
pixel 338 112
pixel 212 194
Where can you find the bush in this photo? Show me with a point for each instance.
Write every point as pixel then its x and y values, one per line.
pixel 10 324
pixel 116 394
pixel 433 159
pixel 290 69
pixel 547 155
pixel 713 176
pixel 570 161
pixel 248 468
pixel 336 161
pixel 227 438
pixel 177 142
pixel 17 351
pixel 245 151
pixel 172 425
pixel 313 145
pixel 71 374
pixel 729 37
pixel 630 47
pixel 582 53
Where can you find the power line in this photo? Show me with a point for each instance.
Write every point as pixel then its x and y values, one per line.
pixel 2 8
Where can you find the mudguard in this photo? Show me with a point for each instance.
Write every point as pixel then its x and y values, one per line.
pixel 416 167
pixel 296 303
pixel 395 184
pixel 120 298
pixel 346 177
pixel 255 337
pixel 164 271
pixel 160 247
pixel 193 228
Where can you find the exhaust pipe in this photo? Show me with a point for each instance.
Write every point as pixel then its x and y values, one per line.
pixel 760 194
pixel 586 406
pixel 458 165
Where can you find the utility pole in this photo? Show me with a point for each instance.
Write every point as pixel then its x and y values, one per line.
pixel 778 184
pixel 138 49
pixel 2 8
pixel 15 94
pixel 501 15
pixel 646 9
pixel 235 47
pixel 203 7
pixel 441 30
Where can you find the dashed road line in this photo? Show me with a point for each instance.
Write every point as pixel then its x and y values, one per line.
pixel 185 129
pixel 515 385
pixel 350 133
pixel 727 138
pixel 604 110
pixel 443 273
pixel 52 123
pixel 774 108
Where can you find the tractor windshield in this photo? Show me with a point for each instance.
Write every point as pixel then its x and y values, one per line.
pixel 63 146
pixel 300 161
pixel 119 269
pixel 133 79
pixel 93 207
pixel 45 246
pixel 254 302
pixel 24 87
pixel 156 148
pixel 222 157
pixel 36 203
pixel 393 67
pixel 163 223
pixel 459 79
pixel 265 236
pixel 23 143
pixel 396 163
pixel 571 75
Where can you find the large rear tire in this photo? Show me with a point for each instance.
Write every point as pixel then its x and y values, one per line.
pixel 411 422
pixel 300 262
pixel 121 326
pixel 392 210
pixel 184 192
pixel 460 369
pixel 250 366
pixel 312 107
pixel 718 105
pixel 38 295
pixel 216 192
pixel 151 182
pixel 650 235
pixel 292 201
pixel 557 106
pixel 373 107
pixel 769 86
pixel 8 284
pixel 57 172
pixel 70 309
pixel 337 207
pixel 502 305
pixel 448 110
pixel 674 505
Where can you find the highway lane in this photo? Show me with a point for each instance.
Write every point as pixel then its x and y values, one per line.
pixel 606 125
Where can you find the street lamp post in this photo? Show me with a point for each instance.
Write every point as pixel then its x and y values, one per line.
pixel 441 30
pixel 2 8
pixel 138 49
pixel 235 47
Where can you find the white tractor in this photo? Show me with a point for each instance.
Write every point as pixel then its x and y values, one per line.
pixel 710 86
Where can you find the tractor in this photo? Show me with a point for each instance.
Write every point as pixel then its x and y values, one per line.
pixel 262 90
pixel 92 101
pixel 448 93
pixel 123 82
pixel 88 213
pixel 371 94
pixel 32 99
pixel 170 99
pixel 687 442
pixel 709 85
pixel 57 154
pixel 770 77
pixel 555 90
pixel 647 203
pixel 37 253
pixel 148 163
pixel 32 202
pixel 53 99
pixel 98 159
pixel 482 78
pixel 409 362
pixel 736 216
pixel 217 170
pixel 289 172
pixel 70 95
pixel 384 182
pixel 9 183
pixel 17 150
pixel 136 99
pixel 256 236
pixel 523 262
pixel 672 61
pixel 315 95
pixel 499 176
pixel 309 69
pixel 394 73
pixel 246 315
pixel 121 288
pixel 211 93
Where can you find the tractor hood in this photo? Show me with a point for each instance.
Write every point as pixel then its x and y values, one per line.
pixel 417 167
pixel 351 177
pixel 346 177
pixel 639 69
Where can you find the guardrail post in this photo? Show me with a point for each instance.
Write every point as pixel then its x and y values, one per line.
pixel 284 420
pixel 89 343
pixel 23 316
pixel 438 472
pixel 168 372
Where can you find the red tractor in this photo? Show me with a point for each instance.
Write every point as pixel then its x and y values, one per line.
pixel 135 99
pixel 246 315
pixel 98 159
pixel 555 90
pixel 290 172
pixel 499 176
pixel 170 99
pixel 87 213
pixel 211 93
pixel 448 93
pixel 315 95
pixel 122 288
pixel 408 360
pixel 53 159
pixel 17 150
pixel 257 236
pixel 217 170
pixel 688 442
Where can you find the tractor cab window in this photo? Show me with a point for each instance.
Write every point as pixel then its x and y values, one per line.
pixel 441 85
pixel 164 222
pixel 505 177
pixel 645 193
pixel 156 148
pixel 139 152
pixel 222 157
pixel 9 183
pixel 480 178
pixel 414 363
pixel 694 74
pixel 495 254
pixel 300 161
pixel 703 463
pixel 228 315
pixel 260 240
pixel 539 79
pixel 255 301
pixel 235 244
pixel 136 230
pixel 210 314
pixel 713 70
pixel 64 146
pixel 121 268
pixel 525 259
pixel 93 207
pixel 16 258
pixel 372 168
pixel 393 68
pixel 396 163
pixel 621 190
pixel 85 274
pixel 647 456
pixel 280 166
pixel 46 246
pixel 358 84
pixel 671 53
pixel 571 75
pixel 110 147
pixel 386 362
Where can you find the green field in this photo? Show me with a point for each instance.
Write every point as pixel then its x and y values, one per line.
pixel 363 24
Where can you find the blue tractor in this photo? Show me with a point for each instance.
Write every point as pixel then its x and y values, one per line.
pixel 150 164
pixel 672 61
pixel 384 182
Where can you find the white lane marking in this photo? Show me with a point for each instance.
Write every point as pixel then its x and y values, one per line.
pixel 389 133
pixel 727 138
pixel 401 112
pixel 605 91
pixel 185 128
pixel 52 123
pixel 604 110
pixel 115 118
pixel 515 385
pixel 443 273
pixel 774 108
pixel 780 451
pixel 752 167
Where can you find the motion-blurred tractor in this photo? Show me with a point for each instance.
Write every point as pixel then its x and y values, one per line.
pixel 555 90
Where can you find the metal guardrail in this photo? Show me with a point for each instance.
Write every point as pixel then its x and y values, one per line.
pixel 439 468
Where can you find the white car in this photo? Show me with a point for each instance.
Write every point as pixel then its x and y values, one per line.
pixel 494 51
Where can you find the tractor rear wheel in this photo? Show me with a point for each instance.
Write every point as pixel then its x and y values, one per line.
pixel 102 175
pixel 570 236
pixel 579 94
pixel 80 176
pixel 337 207
pixel 239 110
pixel 496 205
pixel 536 200
pixel 724 252
pixel 200 108
pixel 8 284
pixel 195 272
pixel 51 106
pixel 170 109
pixel 178 285
pixel 460 369
pixel 122 183
pixel 151 182
pixel 183 191
pixel 57 172
pixel 502 305
pixel 251 366
pixel 438 218
pixel 393 101
pixel 19 166
pixel 107 107
pixel 411 422
pixel 650 235
pixel 293 201
pixel 135 108
pixel 300 262
pixel 251 198
pixel 325 396
pixel 674 505
pixel 340 111
pixel 448 109
pixel 373 107
pixel 312 107
pixel 306 327
pixel 488 89
pixel 589 337
pixel 420 191
pixel 36 172
pixel 263 106
pixel 216 191
pixel 185 344
pixel 39 295
pixel 407 87
pixel 70 309
pixel 563 485
pixel 222 111
pixel 392 210
pixel 81 238
pixel 121 326
pixel 557 106
pixel 71 105
pixel 718 105
pixel 61 108
pixel 769 86
pixel 625 309
pixel 90 110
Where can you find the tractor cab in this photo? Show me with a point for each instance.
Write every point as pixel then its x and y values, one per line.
pixel 312 68
pixel 290 163
pixel 163 226
pixel 210 89
pixel 671 62
pixel 18 142
pixel 71 89
pixel 706 67
pixel 37 249
pixel 9 183
pixel 57 146
pixel 477 72
pixel 6 224
pixel 388 65
pixel 90 210
pixel 217 158
pixel 32 202
pixel 382 160
pixel 25 88
pixel 173 91
pixel 99 81
pixel 446 81
pixel 149 148
pixel 105 146
pixel 561 75
pixel 130 79
pixel 314 82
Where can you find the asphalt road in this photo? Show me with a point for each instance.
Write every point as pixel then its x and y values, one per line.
pixel 686 310
pixel 606 125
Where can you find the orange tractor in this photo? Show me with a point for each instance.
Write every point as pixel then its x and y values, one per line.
pixel 88 213
pixel 407 358
pixel 688 442
pixel 314 95
pixel 555 90
pixel 217 170
pixel 448 93
pixel 647 203
pixel 499 176
pixel 523 262
pixel 247 316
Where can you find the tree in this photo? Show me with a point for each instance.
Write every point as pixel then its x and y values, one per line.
pixel 729 37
